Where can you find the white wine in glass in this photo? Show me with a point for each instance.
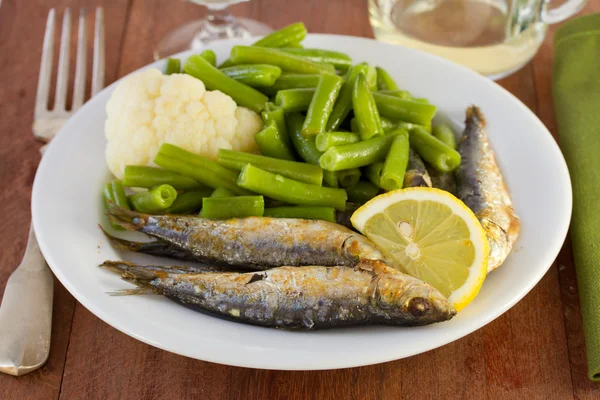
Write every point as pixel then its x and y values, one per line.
pixel 218 24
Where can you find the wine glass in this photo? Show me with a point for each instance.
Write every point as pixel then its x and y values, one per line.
pixel 218 24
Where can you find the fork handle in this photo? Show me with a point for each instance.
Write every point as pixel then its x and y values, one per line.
pixel 26 314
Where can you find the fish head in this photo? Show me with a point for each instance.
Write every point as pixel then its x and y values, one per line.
pixel 409 298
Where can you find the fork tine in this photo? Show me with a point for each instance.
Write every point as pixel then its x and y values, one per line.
pixel 79 86
pixel 43 88
pixel 98 68
pixel 63 63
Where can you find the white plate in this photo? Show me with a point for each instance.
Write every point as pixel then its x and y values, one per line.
pixel 67 207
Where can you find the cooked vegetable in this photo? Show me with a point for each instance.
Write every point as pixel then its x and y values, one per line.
pixel 148 177
pixel 396 161
pixel 343 104
pixel 209 56
pixel 435 152
pixel 233 207
pixel 255 75
pixel 154 200
pixel 148 108
pixel 445 134
pixel 272 143
pixel 405 110
pixel 288 190
pixel 188 202
pixel 302 172
pixel 294 100
pixel 362 192
pixel 357 154
pixel 384 80
pixel 288 35
pixel 215 79
pixel 173 66
pixel 200 168
pixel 302 212
pixel 365 110
pixel 115 193
pixel 289 80
pixel 402 94
pixel 373 173
pixel 321 104
pixel 339 60
pixel 277 114
pixel 348 177
pixel 325 140
pixel 287 62
pixel 221 192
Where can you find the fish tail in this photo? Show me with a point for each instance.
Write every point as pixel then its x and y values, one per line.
pixel 474 114
pixel 133 292
pixel 122 244
pixel 139 275
pixel 127 219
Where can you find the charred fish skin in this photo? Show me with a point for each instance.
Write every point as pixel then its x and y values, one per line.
pixel 481 187
pixel 254 242
pixel 416 173
pixel 306 298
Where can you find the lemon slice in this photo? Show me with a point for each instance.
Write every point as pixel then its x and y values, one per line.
pixel 429 234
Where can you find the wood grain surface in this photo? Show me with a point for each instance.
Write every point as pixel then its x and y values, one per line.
pixel 534 351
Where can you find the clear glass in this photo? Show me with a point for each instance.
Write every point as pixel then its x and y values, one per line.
pixel 218 24
pixel 492 37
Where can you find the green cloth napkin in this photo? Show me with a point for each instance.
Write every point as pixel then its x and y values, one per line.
pixel 576 91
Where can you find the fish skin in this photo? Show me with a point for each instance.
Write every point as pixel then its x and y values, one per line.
pixel 416 173
pixel 253 242
pixel 442 180
pixel 481 187
pixel 305 298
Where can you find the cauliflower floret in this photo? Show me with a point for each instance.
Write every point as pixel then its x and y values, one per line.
pixel 148 109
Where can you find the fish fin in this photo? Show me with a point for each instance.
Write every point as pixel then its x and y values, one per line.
pixel 137 274
pixel 127 219
pixel 133 292
pixel 122 244
pixel 475 114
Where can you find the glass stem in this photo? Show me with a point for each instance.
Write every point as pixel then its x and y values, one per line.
pixel 218 19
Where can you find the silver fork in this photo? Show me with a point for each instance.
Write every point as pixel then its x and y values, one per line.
pixel 26 308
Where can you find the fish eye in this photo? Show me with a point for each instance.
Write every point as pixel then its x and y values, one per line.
pixel 418 306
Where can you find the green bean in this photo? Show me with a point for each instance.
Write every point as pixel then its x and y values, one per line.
pixel 272 144
pixel 373 173
pixel 288 190
pixel 362 192
pixel 270 106
pixel 405 110
pixel 173 66
pixel 371 75
pixel 154 200
pixel 331 179
pixel 365 110
pixel 288 35
pixel 434 151
pixel 339 60
pixel 255 75
pixel 396 161
pixel 115 193
pixel 348 177
pixel 325 140
pixel 321 104
pixel 409 125
pixel 420 100
pixel 445 134
pixel 302 212
pixel 188 202
pixel 221 192
pixel 343 104
pixel 147 177
pixel 293 100
pixel 293 81
pixel 233 207
pixel 384 80
pixel 200 168
pixel 215 79
pixel 402 94
pixel 387 125
pixel 287 62
pixel 209 56
pixel 299 171
pixel 357 154
pixel 277 115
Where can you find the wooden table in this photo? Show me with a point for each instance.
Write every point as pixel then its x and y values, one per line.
pixel 534 351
